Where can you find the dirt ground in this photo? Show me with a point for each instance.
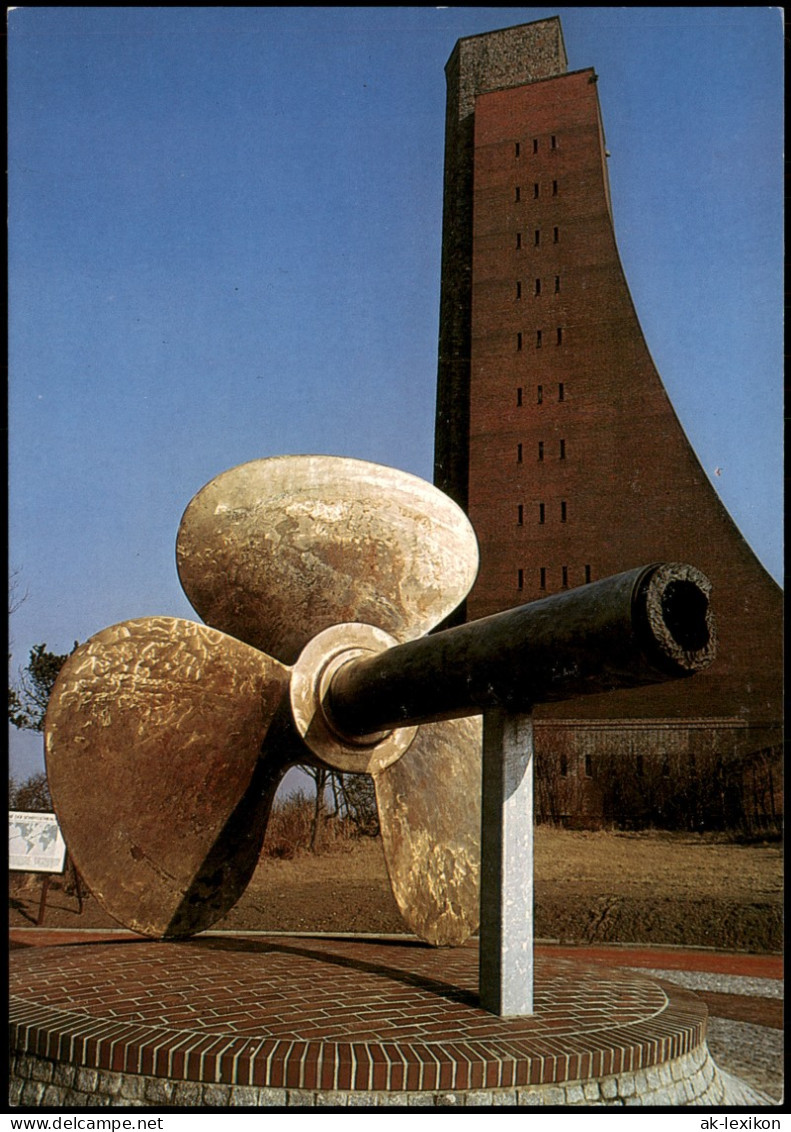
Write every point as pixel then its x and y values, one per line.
pixel 591 887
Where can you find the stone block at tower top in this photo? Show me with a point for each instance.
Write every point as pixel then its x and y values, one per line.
pixel 509 57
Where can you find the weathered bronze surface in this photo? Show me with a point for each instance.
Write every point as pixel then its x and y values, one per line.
pixel 276 550
pixel 430 813
pixel 153 741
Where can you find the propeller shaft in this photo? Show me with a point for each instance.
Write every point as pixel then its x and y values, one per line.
pixel 641 627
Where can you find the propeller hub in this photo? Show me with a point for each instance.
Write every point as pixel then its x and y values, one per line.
pixel 311 678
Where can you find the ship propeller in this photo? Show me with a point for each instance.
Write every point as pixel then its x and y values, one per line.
pixel 166 739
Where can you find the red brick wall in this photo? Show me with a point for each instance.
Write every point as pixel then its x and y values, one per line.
pixel 613 451
pixel 513 55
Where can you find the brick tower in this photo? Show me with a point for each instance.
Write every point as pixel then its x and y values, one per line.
pixel 554 430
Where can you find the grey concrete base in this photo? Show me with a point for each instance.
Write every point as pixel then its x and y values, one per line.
pixel 693 1079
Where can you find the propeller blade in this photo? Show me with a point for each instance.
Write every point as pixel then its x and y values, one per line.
pixel 429 805
pixel 275 551
pixel 164 748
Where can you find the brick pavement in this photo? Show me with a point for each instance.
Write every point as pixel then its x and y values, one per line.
pixel 336 1014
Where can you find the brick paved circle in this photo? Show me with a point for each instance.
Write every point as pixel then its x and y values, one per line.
pixel 309 1013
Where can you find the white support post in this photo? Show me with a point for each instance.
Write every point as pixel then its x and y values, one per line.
pixel 506 932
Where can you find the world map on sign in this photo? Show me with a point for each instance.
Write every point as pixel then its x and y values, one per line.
pixel 35 843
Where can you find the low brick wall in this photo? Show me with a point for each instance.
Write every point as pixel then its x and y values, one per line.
pixel 693 1079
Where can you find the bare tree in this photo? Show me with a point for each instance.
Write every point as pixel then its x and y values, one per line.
pixel 355 800
pixel 320 777
pixel 15 595
pixel 31 795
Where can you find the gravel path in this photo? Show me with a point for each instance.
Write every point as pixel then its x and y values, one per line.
pixel 753 1053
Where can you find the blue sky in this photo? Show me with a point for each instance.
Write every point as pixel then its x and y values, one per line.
pixel 225 244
